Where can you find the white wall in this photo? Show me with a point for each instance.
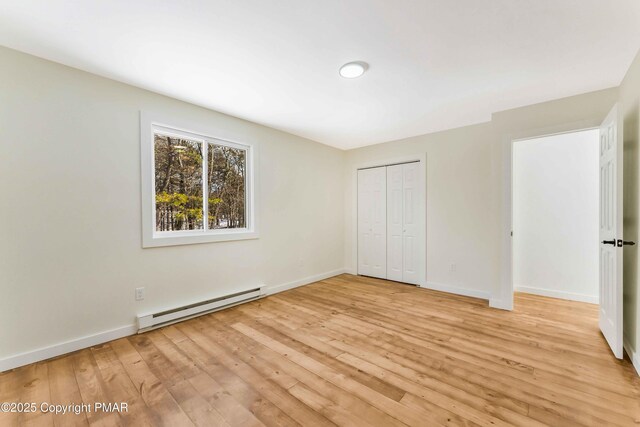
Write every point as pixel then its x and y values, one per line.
pixel 459 222
pixel 468 190
pixel 70 158
pixel 555 216
pixel 70 245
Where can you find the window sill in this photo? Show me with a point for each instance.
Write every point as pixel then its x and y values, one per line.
pixel 194 238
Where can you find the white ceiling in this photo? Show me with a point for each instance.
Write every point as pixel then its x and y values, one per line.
pixel 434 64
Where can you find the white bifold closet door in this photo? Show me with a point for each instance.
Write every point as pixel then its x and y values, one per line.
pixel 372 222
pixel 402 228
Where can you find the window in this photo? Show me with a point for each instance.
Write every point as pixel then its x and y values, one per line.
pixel 196 188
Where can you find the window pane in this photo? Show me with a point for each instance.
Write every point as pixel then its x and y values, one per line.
pixel 226 187
pixel 178 173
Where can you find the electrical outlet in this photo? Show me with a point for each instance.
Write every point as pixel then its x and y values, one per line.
pixel 139 294
pixel 453 267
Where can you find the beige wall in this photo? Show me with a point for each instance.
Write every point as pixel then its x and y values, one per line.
pixel 70 245
pixel 70 159
pixel 468 185
pixel 556 215
pixel 460 227
pixel 630 100
pixel 562 115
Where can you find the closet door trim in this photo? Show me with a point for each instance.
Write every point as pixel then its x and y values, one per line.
pixel 352 197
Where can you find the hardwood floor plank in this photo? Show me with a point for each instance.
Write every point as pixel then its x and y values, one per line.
pixel 454 353
pixel 183 369
pixel 120 388
pixel 595 405
pixel 378 400
pixel 233 412
pixel 34 388
pixel 328 408
pixel 330 360
pixel 64 390
pixel 481 341
pixel 437 401
pixel 152 390
pixel 205 347
pixel 92 388
pixel 459 388
pixel 196 407
pixel 9 392
pixel 342 398
pixel 347 351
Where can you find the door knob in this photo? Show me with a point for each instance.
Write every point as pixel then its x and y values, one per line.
pixel 622 243
pixel 609 242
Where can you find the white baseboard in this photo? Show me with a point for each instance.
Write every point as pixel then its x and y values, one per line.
pixel 55 350
pixel 301 282
pixel 635 358
pixel 455 290
pixel 65 347
pixel 558 294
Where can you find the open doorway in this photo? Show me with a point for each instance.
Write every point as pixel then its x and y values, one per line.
pixel 556 216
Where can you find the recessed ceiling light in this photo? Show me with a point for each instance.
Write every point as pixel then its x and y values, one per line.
pixel 351 70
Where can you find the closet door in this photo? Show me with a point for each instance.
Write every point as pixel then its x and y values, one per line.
pixel 372 222
pixel 410 220
pixel 394 222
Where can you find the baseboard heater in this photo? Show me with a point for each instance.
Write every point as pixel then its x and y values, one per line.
pixel 178 314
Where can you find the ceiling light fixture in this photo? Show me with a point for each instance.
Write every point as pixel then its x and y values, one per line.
pixel 351 70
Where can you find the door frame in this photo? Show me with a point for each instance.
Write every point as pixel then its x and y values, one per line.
pixel 504 299
pixel 422 202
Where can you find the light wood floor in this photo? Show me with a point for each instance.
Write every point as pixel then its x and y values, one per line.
pixel 348 351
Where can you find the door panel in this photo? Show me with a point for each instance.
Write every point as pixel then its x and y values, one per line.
pixel 372 218
pixel 388 222
pixel 365 223
pixel 410 227
pixel 611 150
pixel 394 222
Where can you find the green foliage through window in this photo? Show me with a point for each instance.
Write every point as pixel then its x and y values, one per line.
pixel 179 185
pixel 226 176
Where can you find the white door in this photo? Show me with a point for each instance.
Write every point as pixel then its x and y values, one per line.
pixel 402 223
pixel 395 181
pixel 372 222
pixel 611 149
pixel 410 212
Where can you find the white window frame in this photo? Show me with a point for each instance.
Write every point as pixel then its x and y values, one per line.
pixel 150 124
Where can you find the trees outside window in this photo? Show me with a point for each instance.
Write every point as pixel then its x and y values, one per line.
pixel 180 184
pixel 226 187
